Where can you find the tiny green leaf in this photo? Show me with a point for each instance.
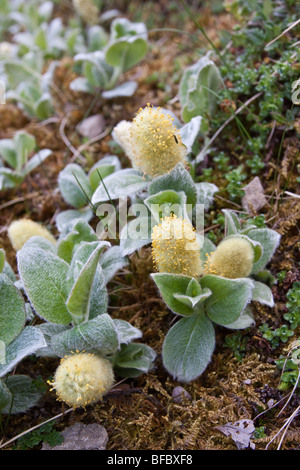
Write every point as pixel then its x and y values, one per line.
pixel 126 331
pixel 103 168
pixel 24 144
pixel 165 203
pixel 8 153
pixel 232 223
pixel 81 232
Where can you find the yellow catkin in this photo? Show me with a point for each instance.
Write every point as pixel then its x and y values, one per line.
pixel 156 142
pixel 233 259
pixel 82 379
pixel 175 247
pixel 87 9
pixel 151 141
pixel 22 230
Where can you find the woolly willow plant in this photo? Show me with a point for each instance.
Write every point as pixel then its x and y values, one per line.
pixel 159 147
pixel 18 158
pixel 101 70
pixel 77 187
pixel 65 284
pixel 231 278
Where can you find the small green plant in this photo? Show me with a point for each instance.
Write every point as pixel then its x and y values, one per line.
pixel 292 316
pixel 28 82
pixel 66 286
pixel 48 39
pixel 237 342
pixel 289 366
pixel 293 305
pixel 77 187
pixel 21 157
pixel 102 69
pixel 259 432
pixel 199 87
pixel 211 298
pixel 46 433
pixel 235 178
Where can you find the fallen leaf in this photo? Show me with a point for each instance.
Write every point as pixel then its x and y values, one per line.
pixel 254 198
pixel 240 431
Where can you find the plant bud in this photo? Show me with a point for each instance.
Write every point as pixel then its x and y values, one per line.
pixel 233 259
pixel 175 247
pixel 21 230
pixel 82 379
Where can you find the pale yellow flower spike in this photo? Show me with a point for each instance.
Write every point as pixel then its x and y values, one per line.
pixel 22 230
pixel 232 259
pixel 156 146
pixel 175 247
pixel 82 379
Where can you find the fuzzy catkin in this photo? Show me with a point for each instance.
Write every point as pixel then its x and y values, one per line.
pixel 82 379
pixel 121 134
pixel 233 258
pixel 151 141
pixel 156 142
pixel 22 230
pixel 175 247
